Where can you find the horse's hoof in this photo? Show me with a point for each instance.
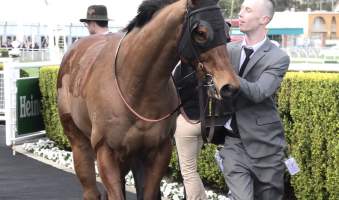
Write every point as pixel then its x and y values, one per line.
pixel 92 197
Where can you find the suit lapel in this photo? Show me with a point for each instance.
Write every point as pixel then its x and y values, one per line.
pixel 236 57
pixel 257 56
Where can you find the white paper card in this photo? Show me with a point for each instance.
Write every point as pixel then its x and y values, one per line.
pixel 292 166
pixel 219 160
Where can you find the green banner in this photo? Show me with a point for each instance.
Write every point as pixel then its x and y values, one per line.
pixel 29 115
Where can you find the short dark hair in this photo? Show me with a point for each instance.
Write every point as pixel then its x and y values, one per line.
pixel 273 8
pixel 103 24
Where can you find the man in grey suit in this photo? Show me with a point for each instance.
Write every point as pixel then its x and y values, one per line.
pixel 253 150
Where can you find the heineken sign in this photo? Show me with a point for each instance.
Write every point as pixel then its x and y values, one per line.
pixel 29 116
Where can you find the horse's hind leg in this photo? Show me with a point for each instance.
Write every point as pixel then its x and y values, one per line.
pixel 110 172
pixel 83 156
pixel 155 169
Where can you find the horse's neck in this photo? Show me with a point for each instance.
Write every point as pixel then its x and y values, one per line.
pixel 150 52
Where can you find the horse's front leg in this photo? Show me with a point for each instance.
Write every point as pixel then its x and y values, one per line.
pixel 110 172
pixel 155 169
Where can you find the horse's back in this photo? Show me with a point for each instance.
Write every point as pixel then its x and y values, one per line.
pixel 76 69
pixel 80 58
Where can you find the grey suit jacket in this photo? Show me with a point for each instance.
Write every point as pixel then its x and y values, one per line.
pixel 257 117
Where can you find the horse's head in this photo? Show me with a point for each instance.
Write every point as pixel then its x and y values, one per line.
pixel 203 44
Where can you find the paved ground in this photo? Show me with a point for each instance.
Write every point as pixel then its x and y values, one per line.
pixel 25 178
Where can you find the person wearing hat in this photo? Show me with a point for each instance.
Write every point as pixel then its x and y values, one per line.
pixel 96 20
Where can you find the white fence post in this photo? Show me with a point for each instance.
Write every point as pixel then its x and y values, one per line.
pixel 10 76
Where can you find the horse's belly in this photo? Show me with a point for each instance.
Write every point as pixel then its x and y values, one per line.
pixel 79 113
pixel 140 136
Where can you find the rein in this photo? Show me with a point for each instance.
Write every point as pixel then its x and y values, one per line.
pixel 124 100
pixel 192 51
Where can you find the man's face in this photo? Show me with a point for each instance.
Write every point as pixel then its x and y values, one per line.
pixel 251 15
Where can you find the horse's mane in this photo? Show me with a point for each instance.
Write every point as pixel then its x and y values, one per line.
pixel 146 11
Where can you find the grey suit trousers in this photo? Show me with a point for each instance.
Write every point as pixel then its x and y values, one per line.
pixel 252 178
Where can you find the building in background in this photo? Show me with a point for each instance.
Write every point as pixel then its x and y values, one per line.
pixel 290 28
pixel 323 26
pixel 54 24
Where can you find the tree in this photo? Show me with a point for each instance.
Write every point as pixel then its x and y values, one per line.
pixel 230 8
pixel 281 5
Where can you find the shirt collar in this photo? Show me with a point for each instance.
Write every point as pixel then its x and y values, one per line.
pixel 255 47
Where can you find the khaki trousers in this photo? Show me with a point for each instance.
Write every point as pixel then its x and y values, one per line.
pixel 189 142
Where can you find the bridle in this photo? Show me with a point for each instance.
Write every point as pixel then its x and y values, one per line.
pixel 189 49
pixel 191 52
pixel 196 51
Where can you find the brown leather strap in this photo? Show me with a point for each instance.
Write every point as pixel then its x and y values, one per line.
pixel 212 111
pixel 202 111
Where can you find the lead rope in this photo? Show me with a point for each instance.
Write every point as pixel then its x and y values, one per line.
pixel 124 100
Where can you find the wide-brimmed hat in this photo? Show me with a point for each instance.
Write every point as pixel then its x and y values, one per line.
pixel 96 13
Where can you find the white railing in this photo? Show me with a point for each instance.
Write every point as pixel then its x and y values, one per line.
pixel 35 55
pixel 313 59
pixel 313 54
pixel 2 97
pixel 11 74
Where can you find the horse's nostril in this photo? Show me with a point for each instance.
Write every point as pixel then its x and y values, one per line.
pixel 228 91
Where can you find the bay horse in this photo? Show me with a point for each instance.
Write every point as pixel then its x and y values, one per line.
pixel 116 98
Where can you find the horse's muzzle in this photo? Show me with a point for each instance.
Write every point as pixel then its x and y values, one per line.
pixel 228 91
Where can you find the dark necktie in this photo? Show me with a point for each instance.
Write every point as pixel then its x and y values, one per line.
pixel 248 52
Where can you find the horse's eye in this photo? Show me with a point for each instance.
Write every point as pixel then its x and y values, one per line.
pixel 201 35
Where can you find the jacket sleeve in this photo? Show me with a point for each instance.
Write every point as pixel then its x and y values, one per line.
pixel 268 82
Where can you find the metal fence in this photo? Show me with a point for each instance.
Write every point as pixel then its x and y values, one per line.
pixel 313 54
pixel 33 55
pixel 2 94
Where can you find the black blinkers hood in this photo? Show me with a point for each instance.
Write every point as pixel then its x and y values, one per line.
pixel 210 17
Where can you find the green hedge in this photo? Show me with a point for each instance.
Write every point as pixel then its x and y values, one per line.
pixel 308 103
pixel 47 82
pixel 4 53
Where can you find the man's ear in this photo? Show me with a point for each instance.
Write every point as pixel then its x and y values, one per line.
pixel 265 20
